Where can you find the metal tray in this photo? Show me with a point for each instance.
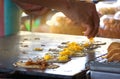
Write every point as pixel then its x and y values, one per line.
pixel 101 64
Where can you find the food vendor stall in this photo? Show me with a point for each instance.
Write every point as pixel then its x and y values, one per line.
pixel 55 56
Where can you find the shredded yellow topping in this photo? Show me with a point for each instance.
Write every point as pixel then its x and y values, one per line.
pixel 86 44
pixel 91 40
pixel 73 46
pixel 38 49
pixel 48 57
pixel 66 52
pixel 63 58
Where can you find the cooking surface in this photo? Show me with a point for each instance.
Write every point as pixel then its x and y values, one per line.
pixel 20 47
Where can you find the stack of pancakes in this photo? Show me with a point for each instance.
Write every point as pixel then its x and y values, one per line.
pixel 113 52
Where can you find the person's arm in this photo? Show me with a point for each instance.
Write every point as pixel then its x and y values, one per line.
pixel 53 4
pixel 80 12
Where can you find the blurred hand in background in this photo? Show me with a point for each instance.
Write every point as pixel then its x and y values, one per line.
pixel 80 12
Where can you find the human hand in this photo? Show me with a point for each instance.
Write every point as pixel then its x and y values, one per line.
pixel 80 12
pixel 85 13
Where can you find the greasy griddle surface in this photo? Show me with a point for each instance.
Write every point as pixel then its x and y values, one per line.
pixel 20 47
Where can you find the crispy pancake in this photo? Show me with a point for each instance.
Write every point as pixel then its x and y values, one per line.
pixel 114 57
pixel 23 64
pixel 113 45
pixel 112 52
pixel 35 64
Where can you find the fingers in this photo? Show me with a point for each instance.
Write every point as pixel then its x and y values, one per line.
pixel 92 28
pixel 95 27
pixel 96 21
pixel 88 31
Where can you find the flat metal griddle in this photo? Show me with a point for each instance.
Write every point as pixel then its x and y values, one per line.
pixel 11 51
